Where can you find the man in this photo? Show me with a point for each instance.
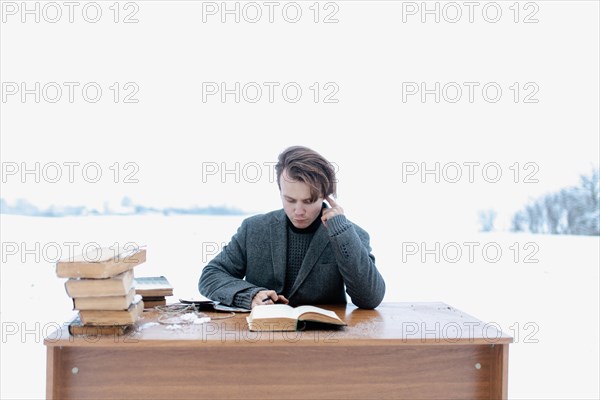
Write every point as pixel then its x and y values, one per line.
pixel 307 253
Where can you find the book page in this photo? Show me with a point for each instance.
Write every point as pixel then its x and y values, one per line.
pixel 273 311
pixel 298 311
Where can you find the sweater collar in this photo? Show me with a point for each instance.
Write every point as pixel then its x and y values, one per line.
pixel 312 228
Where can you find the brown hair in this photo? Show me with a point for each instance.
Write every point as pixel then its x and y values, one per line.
pixel 308 166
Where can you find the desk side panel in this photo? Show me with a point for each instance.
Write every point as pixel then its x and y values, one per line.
pixel 336 372
pixel 53 372
pixel 499 375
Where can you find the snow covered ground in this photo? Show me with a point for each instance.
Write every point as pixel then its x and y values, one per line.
pixel 550 307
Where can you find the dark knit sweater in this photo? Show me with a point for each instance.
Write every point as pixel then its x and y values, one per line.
pixel 298 241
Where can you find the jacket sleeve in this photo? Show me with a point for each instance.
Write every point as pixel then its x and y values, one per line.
pixel 222 277
pixel 364 283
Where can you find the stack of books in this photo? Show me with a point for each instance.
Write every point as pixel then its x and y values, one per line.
pixel 101 284
pixel 153 290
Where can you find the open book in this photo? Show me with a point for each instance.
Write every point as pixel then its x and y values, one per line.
pixel 281 317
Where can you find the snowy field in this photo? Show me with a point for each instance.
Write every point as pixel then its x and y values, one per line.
pixel 550 307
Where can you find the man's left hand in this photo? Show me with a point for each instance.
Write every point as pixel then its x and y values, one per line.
pixel 331 212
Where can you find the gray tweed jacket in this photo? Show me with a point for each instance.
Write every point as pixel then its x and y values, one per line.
pixel 339 257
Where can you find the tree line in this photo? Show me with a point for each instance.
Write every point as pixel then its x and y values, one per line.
pixel 570 211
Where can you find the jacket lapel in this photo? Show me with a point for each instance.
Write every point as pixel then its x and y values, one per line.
pixel 278 230
pixel 318 243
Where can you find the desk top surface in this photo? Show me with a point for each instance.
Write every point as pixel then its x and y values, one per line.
pixel 410 323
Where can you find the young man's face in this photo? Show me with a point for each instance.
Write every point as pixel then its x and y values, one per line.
pixel 298 207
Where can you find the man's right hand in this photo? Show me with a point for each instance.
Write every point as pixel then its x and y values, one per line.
pixel 268 297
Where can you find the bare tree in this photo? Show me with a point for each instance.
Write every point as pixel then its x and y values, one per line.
pixel 518 222
pixel 486 220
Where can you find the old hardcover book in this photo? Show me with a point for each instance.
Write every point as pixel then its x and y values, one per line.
pixel 76 328
pixel 281 317
pixel 118 285
pixel 114 317
pixel 103 264
pixel 104 302
pixel 151 302
pixel 153 286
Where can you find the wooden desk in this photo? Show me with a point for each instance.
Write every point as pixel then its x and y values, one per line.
pixel 399 350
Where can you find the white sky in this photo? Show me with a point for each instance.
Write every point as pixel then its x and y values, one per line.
pixel 370 133
pixel 170 134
